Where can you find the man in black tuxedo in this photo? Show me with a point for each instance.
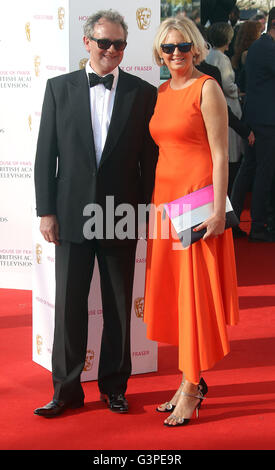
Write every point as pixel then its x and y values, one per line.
pixel 259 114
pixel 93 146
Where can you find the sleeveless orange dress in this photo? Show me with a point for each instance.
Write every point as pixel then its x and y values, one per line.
pixel 191 293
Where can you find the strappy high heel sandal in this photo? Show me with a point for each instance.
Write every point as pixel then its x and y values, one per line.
pixel 203 386
pixel 168 406
pixel 185 421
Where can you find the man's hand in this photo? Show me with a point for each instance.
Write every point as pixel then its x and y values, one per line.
pixel 50 229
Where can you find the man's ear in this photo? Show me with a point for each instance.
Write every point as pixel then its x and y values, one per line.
pixel 86 43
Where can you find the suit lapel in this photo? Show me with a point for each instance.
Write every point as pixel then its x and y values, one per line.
pixel 79 96
pixel 125 95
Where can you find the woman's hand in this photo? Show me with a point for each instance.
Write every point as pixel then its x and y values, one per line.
pixel 215 226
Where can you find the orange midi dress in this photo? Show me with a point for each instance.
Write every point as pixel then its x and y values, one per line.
pixel 191 293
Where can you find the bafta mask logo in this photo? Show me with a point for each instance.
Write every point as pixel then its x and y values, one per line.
pixel 90 355
pixel 139 306
pixel 143 16
pixel 30 122
pixel 37 62
pixel 38 251
pixel 82 63
pixel 61 17
pixel 39 343
pixel 28 31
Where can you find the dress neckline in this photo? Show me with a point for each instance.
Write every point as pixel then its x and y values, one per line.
pixel 186 87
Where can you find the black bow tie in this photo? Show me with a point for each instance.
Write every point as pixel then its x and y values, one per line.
pixel 106 81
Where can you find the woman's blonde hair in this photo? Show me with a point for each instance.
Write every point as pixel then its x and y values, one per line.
pixel 190 33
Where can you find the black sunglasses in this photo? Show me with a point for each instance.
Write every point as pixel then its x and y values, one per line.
pixel 105 44
pixel 182 47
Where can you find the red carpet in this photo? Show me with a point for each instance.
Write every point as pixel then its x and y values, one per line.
pixel 239 412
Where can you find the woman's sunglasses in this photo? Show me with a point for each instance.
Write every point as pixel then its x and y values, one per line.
pixel 182 47
pixel 105 44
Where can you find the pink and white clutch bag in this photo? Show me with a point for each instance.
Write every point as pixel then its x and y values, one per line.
pixel 191 210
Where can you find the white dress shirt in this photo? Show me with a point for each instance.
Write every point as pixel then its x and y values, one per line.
pixel 101 103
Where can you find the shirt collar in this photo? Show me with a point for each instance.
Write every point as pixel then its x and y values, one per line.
pixel 115 72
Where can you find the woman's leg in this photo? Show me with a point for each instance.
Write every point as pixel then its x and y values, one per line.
pixel 169 405
pixel 188 401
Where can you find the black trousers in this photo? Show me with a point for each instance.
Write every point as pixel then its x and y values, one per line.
pixel 74 270
pixel 258 166
pixel 244 179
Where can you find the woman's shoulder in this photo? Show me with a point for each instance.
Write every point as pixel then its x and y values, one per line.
pixel 205 78
pixel 164 86
pixel 210 86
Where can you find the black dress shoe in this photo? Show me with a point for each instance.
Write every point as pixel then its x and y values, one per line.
pixel 56 408
pixel 116 402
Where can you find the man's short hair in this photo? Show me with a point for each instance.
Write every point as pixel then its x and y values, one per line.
pixel 220 34
pixel 110 15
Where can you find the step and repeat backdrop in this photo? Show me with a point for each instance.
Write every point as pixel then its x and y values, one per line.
pixel 40 39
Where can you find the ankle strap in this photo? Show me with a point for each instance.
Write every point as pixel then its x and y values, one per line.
pixel 199 396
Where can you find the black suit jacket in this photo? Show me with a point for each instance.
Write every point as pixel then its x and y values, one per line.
pixel 66 173
pixel 259 107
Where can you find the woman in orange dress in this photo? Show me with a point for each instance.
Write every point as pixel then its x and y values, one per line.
pixel 190 293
